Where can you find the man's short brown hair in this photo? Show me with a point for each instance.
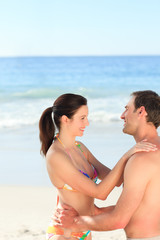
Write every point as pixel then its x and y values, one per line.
pixel 151 101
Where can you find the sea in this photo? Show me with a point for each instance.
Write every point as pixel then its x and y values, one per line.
pixel 28 85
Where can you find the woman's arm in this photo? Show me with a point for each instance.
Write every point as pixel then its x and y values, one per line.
pixel 103 171
pixel 61 171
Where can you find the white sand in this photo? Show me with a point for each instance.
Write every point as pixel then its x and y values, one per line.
pixel 25 213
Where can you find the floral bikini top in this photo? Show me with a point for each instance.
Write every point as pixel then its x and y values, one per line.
pixel 94 178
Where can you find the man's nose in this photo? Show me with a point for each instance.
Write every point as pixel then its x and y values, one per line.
pixel 122 116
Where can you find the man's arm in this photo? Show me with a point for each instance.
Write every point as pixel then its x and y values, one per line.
pixel 137 174
pixel 103 209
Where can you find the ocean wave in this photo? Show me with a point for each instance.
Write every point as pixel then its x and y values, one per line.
pixel 26 112
pixel 37 93
pixel 52 92
pixel 8 122
pixel 102 116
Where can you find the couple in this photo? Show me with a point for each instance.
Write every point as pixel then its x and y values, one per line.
pixel 73 170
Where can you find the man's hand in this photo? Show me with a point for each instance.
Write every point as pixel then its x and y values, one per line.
pixel 65 217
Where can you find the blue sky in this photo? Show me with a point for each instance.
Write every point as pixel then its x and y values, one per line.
pixel 79 27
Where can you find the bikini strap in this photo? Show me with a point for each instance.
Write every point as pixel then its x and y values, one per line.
pixel 85 235
pixel 79 146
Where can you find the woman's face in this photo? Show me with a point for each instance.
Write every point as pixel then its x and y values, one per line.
pixel 79 121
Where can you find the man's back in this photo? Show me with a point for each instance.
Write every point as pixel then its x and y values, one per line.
pixel 144 170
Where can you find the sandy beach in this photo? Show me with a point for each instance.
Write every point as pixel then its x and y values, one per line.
pixel 25 213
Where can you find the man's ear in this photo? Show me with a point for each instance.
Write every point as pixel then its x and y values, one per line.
pixel 142 111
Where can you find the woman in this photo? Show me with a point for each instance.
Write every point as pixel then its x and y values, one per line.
pixel 72 168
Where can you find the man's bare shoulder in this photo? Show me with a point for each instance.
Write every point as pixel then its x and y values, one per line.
pixel 144 162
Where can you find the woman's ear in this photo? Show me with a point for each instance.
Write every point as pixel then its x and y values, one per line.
pixel 64 119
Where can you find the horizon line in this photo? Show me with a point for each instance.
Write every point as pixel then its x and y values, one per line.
pixel 98 55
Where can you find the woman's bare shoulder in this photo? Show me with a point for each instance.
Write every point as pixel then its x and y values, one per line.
pixel 55 155
pixel 82 145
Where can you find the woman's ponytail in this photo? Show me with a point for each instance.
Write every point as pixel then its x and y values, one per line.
pixel 47 130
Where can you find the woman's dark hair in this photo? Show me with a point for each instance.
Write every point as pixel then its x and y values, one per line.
pixel 66 104
pixel 151 101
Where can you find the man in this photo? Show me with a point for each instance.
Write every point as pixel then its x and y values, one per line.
pixel 138 208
